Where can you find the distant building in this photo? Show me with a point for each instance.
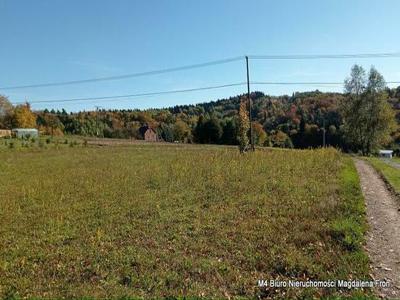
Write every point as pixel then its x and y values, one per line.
pixel 148 133
pixel 5 133
pixel 25 132
pixel 386 153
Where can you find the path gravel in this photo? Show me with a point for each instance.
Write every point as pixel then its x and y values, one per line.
pixel 383 239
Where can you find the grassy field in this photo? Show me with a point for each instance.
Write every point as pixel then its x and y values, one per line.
pixel 391 173
pixel 42 142
pixel 156 221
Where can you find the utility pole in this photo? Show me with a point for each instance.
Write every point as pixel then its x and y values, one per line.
pixel 250 104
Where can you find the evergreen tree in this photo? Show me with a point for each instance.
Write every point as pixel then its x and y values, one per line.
pixel 229 135
pixel 212 131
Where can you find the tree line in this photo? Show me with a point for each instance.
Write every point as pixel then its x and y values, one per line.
pixel 361 118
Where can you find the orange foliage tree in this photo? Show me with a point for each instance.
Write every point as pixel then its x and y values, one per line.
pixel 24 117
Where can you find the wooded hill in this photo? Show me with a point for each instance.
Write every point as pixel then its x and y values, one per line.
pixel 284 121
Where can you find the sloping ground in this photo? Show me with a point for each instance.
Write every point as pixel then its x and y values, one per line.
pixel 383 240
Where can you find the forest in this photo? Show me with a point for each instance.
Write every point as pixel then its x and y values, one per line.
pixel 296 121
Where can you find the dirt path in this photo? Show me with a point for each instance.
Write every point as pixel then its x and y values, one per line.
pixel 383 239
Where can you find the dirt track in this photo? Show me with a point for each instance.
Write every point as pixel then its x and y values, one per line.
pixel 383 239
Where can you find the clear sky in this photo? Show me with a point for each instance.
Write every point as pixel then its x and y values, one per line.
pixel 53 40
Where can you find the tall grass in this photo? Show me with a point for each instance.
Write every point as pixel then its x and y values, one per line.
pixel 153 221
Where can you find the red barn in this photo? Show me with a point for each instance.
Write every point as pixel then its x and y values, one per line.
pixel 148 133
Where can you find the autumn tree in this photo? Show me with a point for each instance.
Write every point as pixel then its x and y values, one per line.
pixel 24 117
pixel 50 124
pixel 368 119
pixel 259 134
pixel 243 127
pixel 181 131
pixel 281 139
pixel 6 113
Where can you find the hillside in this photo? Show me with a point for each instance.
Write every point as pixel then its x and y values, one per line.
pixel 284 121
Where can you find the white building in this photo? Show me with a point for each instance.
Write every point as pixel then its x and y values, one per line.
pixel 386 153
pixel 25 132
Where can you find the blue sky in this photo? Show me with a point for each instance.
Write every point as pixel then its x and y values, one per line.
pixel 53 40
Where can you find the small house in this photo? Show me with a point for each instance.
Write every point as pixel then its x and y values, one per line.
pixel 5 133
pixel 25 132
pixel 386 153
pixel 148 133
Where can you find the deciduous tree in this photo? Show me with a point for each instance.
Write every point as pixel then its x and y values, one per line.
pixel 24 117
pixel 368 118
pixel 182 131
pixel 6 112
pixel 259 134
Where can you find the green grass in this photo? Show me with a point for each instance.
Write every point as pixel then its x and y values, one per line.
pixel 157 221
pixel 42 142
pixel 391 173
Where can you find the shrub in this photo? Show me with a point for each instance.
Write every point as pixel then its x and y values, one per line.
pixel 348 234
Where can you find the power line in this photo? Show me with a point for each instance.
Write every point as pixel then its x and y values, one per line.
pixel 326 56
pixel 189 90
pixel 307 83
pixel 133 75
pixel 210 63
pixel 139 94
pixel 295 83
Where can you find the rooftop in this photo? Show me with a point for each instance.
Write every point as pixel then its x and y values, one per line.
pixel 25 129
pixel 386 151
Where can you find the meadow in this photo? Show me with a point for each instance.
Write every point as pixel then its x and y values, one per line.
pixel 159 220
